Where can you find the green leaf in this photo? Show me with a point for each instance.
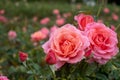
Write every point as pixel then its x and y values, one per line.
pixel 30 77
pixel 100 76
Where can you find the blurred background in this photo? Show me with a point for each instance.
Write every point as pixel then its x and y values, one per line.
pixel 24 17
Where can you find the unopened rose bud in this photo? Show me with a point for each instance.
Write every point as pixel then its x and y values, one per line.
pixel 23 56
pixel 50 58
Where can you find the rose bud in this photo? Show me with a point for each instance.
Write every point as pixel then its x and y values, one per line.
pixel 23 56
pixel 50 58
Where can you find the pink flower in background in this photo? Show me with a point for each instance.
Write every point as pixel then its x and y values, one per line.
pixel 3 77
pixel 112 27
pixel 58 16
pixel 45 30
pixel 35 18
pixel 3 19
pixel 2 12
pixel 23 56
pixel 66 15
pixel 103 42
pixel 66 45
pixel 60 21
pixel 12 35
pixel 45 21
pixel 56 11
pixel 78 6
pixel 115 17
pixel 106 10
pixel 83 20
pixel 37 36
pixel 100 21
pixel 53 28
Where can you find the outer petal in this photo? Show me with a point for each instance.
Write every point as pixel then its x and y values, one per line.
pixel 77 58
pixel 59 64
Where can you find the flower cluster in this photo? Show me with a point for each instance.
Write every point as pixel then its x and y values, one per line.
pixel 91 40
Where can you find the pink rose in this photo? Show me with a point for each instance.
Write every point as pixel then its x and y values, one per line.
pixel 2 12
pixel 3 19
pixel 115 17
pixel 23 56
pixel 53 28
pixel 12 35
pixel 68 14
pixel 112 27
pixel 60 21
pixel 106 10
pixel 83 20
pixel 56 11
pixel 37 36
pixel 3 77
pixel 45 30
pixel 45 21
pixel 67 44
pixel 103 42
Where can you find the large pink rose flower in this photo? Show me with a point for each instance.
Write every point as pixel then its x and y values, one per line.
pixel 83 20
pixel 103 42
pixel 67 45
pixel 3 77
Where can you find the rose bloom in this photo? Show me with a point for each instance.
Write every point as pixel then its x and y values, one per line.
pixel 68 14
pixel 45 30
pixel 35 18
pixel 112 27
pixel 66 45
pixel 23 56
pixel 3 19
pixel 56 11
pixel 3 77
pixel 37 36
pixel 2 12
pixel 115 17
pixel 106 10
pixel 45 21
pixel 12 35
pixel 53 28
pixel 103 42
pixel 83 20
pixel 60 21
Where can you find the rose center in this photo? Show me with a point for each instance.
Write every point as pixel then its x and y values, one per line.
pixel 66 47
